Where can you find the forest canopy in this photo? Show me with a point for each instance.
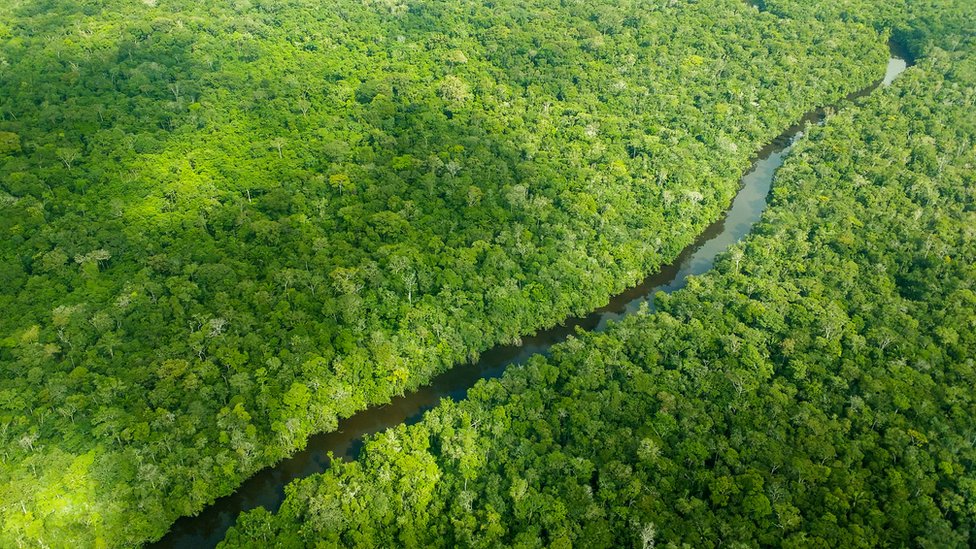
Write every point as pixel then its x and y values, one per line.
pixel 227 225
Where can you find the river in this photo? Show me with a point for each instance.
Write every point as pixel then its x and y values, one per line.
pixel 267 487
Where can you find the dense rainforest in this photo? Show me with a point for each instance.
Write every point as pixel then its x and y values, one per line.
pixel 226 225
pixel 814 390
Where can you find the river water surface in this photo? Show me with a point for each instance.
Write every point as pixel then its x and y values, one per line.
pixel 267 487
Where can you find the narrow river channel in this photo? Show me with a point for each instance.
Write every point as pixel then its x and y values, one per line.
pixel 267 487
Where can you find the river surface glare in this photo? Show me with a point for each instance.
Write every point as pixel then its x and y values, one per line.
pixel 267 487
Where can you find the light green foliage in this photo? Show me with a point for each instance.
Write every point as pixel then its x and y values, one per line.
pixel 814 391
pixel 9 144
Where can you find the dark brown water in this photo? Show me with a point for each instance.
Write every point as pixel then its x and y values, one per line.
pixel 267 487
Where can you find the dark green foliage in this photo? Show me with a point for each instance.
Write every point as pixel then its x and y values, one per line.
pixel 815 390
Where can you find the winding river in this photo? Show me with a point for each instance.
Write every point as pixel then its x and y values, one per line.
pixel 267 487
